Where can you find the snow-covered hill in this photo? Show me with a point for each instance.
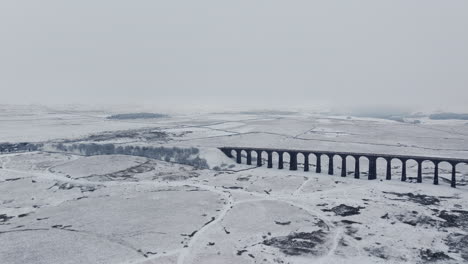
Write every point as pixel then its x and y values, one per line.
pixel 58 207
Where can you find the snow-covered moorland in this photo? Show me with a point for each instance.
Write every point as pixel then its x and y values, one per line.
pixel 60 205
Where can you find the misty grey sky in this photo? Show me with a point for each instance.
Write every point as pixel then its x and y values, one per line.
pixel 411 53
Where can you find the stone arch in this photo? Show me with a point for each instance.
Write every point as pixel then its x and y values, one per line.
pixel 462 172
pixel 426 169
pixel 381 165
pixel 364 166
pixel 412 168
pixel 397 165
pixel 286 159
pixel 244 154
pixel 260 157
pixel 231 153
pixel 350 165
pixel 324 162
pixel 304 159
pixel 445 170
pixel 278 159
pixel 253 157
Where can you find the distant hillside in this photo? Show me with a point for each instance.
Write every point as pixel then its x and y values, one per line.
pixel 267 112
pixel 136 116
pixel 447 116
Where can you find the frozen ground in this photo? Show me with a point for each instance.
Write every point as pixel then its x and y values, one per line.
pixel 67 208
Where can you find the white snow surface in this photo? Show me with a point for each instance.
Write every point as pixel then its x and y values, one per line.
pixel 67 208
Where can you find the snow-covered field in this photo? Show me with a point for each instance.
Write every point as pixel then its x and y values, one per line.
pixel 58 207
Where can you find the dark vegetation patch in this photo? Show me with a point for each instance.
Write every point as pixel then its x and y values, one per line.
pixel 19 147
pixel 140 135
pixel 136 116
pixel 429 256
pixel 344 210
pixel 187 156
pixel 143 135
pixel 302 243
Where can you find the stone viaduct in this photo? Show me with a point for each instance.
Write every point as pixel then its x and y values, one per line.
pixel 372 158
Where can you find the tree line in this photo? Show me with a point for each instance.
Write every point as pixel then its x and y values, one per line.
pixel 188 156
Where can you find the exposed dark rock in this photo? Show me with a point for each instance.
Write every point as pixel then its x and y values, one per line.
pixel 299 243
pixel 4 217
pixel 240 252
pixel 209 222
pixel 61 226
pixel 190 235
pixel 344 210
pixel 178 177
pixel 243 178
pixel 22 215
pixel 283 223
pixel 420 198
pixel 458 243
pixel 379 252
pixel 349 222
pixel 429 256
pixel 415 219
pixel 457 218
pixel 351 231
pixel 232 187
pixel 69 186
pixel 385 216
pixel 13 179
